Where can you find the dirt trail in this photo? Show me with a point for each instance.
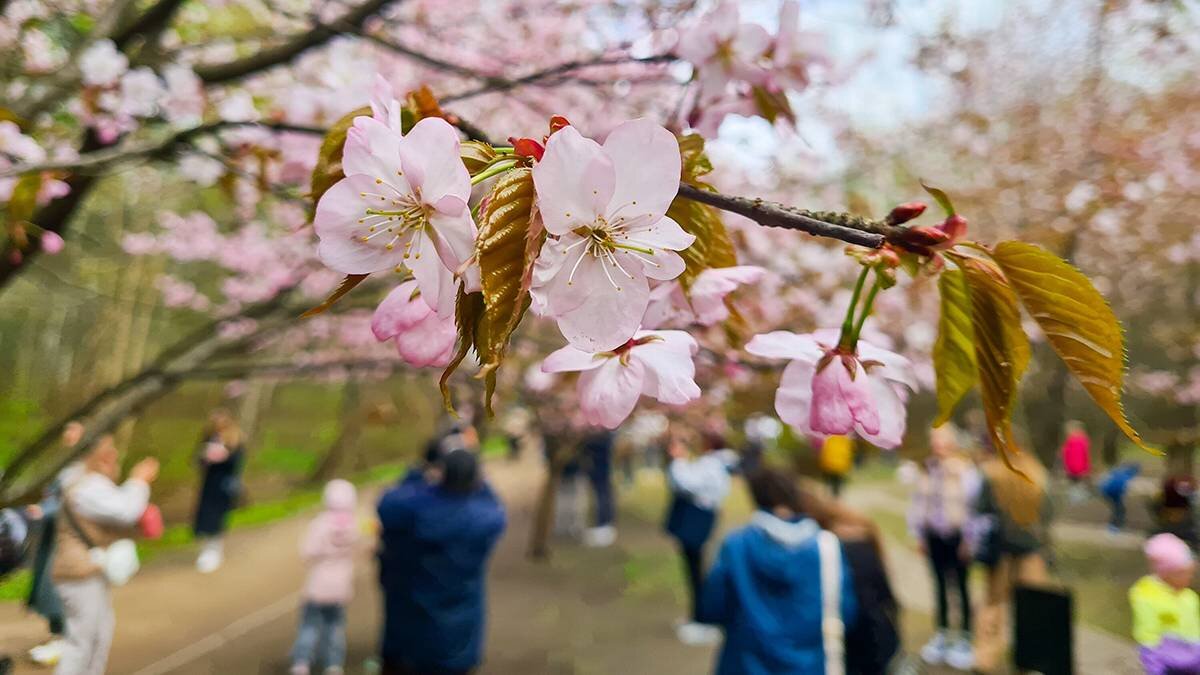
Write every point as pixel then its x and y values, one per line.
pixel 567 616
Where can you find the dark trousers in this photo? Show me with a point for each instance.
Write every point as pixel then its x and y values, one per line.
pixel 693 569
pixel 1117 504
pixel 394 668
pixel 947 566
pixel 606 512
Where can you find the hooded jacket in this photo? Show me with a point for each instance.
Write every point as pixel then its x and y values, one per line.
pixel 432 565
pixel 329 546
pixel 765 592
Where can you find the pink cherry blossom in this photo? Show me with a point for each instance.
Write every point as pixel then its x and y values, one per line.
pixel 723 49
pixel 422 337
pixel 825 391
pixel 708 291
pixel 657 364
pixel 402 196
pixel 52 243
pixel 606 206
pixel 795 51
pixel 102 64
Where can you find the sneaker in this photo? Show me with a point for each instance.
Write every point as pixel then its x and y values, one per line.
pixel 209 561
pixel 600 537
pixel 698 634
pixel 47 654
pixel 934 651
pixel 299 668
pixel 960 656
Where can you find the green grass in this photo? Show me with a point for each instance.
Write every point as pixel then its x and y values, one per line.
pixel 651 573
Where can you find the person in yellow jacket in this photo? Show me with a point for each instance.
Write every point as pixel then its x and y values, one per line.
pixel 1166 611
pixel 835 461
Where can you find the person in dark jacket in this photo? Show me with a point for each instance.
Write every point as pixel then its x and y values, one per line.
pixel 766 589
pixel 873 642
pixel 220 458
pixel 1114 486
pixel 698 486
pixel 435 544
pixel 597 456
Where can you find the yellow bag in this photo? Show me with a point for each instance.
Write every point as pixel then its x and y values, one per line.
pixel 837 455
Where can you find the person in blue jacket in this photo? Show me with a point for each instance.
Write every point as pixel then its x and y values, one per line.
pixel 765 589
pixel 1113 486
pixel 698 486
pixel 435 543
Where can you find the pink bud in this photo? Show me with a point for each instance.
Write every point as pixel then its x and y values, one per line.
pixel 955 226
pixel 905 212
pixel 52 243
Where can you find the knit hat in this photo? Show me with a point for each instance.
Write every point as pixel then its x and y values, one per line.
pixel 340 495
pixel 1167 553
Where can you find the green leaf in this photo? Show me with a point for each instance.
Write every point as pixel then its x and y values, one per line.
pixel 1001 346
pixel 506 248
pixel 954 350
pixel 1077 321
pixel 942 199
pixel 342 289
pixel 329 158
pixel 476 156
pixel 713 247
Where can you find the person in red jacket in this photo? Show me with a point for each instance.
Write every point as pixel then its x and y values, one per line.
pixel 1077 459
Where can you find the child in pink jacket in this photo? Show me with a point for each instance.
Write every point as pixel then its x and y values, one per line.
pixel 328 548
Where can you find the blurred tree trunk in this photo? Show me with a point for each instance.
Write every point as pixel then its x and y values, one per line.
pixel 260 393
pixel 350 420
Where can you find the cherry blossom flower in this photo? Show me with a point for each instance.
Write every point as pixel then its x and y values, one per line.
pixel 704 302
pixel 652 363
pixel 102 64
pixel 723 49
pixel 140 92
pixel 606 206
pixel 827 391
pixel 183 104
pixel 795 51
pixel 422 337
pixel 52 243
pixel 402 196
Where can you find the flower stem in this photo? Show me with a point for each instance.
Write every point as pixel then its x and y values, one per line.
pixel 845 341
pixel 493 170
pixel 866 310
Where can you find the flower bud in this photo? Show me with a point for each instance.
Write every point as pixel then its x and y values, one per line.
pixel 558 122
pixel 955 227
pixel 905 212
pixel 527 147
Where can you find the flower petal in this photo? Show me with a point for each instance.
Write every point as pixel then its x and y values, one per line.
pixel 574 181
pixel 663 266
pixel 856 393
pixel 670 372
pixel 793 399
pixel 831 413
pixel 782 344
pixel 895 367
pixel 455 241
pixel 436 282
pixel 891 414
pixel 610 314
pixel 608 394
pixel 660 234
pixel 571 359
pixel 398 312
pixel 336 223
pixel 429 155
pixel 647 163
pixel 372 149
pixel 428 343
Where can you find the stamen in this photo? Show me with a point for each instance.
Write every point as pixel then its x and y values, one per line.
pixel 571 277
pixel 610 279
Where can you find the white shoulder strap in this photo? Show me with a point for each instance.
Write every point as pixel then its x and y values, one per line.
pixel 833 629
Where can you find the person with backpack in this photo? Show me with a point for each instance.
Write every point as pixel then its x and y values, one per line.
pixel 1113 487
pixel 435 542
pixel 780 589
pixel 698 486
pixel 328 549
pixel 92 550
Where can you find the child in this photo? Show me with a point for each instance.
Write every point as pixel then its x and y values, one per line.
pixel 328 548
pixel 1166 613
pixel 1113 487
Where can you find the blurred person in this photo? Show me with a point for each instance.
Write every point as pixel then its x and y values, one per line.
pixel 873 641
pixel 1015 505
pixel 1114 486
pixel 1077 459
pixel 836 460
pixel 1174 509
pixel 1166 611
pixel 435 542
pixel 597 456
pixel 698 486
pixel 220 458
pixel 43 597
pixel 568 499
pixel 944 488
pixel 780 589
pixel 96 513
pixel 328 549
